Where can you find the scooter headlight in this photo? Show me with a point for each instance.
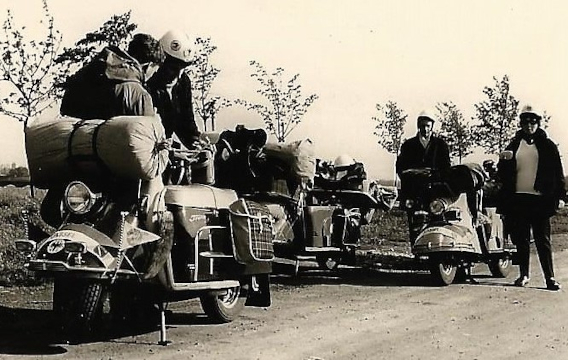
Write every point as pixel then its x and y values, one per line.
pixel 409 203
pixel 79 199
pixel 438 206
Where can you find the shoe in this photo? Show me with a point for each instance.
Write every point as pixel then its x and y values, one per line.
pixel 522 281
pixel 553 285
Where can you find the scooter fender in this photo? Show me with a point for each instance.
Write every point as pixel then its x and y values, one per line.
pixel 53 253
pixel 446 238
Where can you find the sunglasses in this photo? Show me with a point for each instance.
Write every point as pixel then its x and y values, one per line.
pixel 529 121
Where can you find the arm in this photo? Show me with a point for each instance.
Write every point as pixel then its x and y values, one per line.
pixel 185 127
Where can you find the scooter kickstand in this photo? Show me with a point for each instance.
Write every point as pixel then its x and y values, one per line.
pixel 163 341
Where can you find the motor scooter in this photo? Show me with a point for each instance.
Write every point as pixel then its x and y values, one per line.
pixel 141 250
pixel 449 227
pixel 321 222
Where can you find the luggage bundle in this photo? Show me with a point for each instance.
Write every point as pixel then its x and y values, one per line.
pixel 349 177
pixel 298 155
pixel 67 148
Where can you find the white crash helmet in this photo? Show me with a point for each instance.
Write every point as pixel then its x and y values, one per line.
pixel 529 110
pixel 426 115
pixel 343 160
pixel 178 45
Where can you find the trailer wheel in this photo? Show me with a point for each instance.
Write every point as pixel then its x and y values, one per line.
pixel 224 308
pixel 500 268
pixel 443 271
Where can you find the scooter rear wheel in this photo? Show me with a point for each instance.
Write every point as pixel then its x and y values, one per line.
pixel 500 268
pixel 443 272
pixel 224 308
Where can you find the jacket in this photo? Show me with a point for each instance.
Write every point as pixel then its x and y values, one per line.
pixel 175 107
pixel 110 85
pixel 413 155
pixel 549 174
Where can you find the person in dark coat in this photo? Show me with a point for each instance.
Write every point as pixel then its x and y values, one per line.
pixel 425 150
pixel 170 87
pixel 532 178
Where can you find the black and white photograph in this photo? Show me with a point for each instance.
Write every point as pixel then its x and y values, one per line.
pixel 299 179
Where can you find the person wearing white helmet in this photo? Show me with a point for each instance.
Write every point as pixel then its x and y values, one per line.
pixel 532 179
pixel 170 88
pixel 425 149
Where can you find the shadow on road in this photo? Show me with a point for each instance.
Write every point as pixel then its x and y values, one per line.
pixel 35 332
pixel 353 276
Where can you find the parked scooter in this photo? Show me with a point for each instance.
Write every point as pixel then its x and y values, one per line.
pixel 449 227
pixel 142 252
pixel 321 222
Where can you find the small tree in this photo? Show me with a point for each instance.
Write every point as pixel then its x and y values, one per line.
pixel 455 130
pixel 389 127
pixel 116 31
pixel 497 116
pixel 28 70
pixel 203 74
pixel 286 107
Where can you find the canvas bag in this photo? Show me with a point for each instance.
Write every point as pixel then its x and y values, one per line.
pixel 252 231
pixel 64 148
pixel 299 155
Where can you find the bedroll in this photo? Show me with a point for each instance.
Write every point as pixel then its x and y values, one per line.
pixel 67 148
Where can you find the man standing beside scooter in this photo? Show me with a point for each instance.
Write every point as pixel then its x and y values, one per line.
pixel 425 150
pixel 531 171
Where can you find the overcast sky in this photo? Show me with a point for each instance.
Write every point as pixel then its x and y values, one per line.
pixel 353 54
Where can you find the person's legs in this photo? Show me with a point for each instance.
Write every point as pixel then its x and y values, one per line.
pixel 541 233
pixel 520 236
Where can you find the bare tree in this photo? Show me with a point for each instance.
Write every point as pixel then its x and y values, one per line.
pixel 286 107
pixel 497 116
pixel 28 69
pixel 455 130
pixel 203 74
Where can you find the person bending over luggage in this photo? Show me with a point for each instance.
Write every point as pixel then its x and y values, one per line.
pixel 112 84
pixel 170 88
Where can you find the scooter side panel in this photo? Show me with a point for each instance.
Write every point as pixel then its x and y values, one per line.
pixel 453 238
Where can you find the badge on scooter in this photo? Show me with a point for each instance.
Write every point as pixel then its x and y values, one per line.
pixel 55 246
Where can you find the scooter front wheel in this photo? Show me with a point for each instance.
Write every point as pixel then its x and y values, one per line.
pixel 223 308
pixel 443 272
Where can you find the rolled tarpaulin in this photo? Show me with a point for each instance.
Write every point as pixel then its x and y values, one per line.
pixel 65 148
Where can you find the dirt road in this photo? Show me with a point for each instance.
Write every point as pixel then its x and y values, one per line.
pixel 353 314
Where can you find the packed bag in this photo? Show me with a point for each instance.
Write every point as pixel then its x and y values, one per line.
pixel 299 155
pixel 252 231
pixel 123 146
pixel 89 93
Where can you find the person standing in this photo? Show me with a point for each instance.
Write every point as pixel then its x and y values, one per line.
pixel 532 178
pixel 425 149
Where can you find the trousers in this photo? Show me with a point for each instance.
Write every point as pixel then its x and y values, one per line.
pixel 527 215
